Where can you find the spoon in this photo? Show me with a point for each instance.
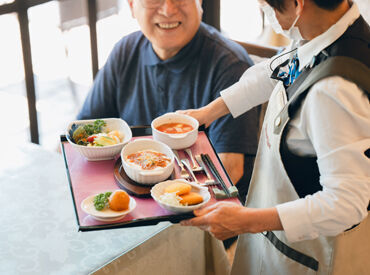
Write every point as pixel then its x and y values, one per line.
pixel 195 166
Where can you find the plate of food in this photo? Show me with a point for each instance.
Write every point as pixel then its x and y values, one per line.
pixel 99 139
pixel 180 196
pixel 147 161
pixel 109 205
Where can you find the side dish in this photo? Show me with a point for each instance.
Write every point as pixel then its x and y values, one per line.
pixel 179 194
pixel 101 200
pixel 96 134
pixel 148 159
pixel 117 201
pixel 175 128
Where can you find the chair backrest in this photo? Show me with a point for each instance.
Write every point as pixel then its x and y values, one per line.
pixel 259 50
pixel 74 13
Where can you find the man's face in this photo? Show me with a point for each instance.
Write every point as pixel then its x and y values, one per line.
pixel 169 27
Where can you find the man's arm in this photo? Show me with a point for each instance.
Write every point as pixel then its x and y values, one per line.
pixel 234 165
pixel 102 98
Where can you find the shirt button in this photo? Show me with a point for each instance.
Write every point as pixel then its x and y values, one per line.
pixel 277 121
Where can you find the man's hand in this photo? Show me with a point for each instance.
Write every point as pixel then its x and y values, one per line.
pixel 234 165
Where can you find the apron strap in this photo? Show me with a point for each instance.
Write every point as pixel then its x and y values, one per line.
pixel 291 253
pixel 343 66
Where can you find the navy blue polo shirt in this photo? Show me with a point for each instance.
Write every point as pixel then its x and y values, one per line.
pixel 137 86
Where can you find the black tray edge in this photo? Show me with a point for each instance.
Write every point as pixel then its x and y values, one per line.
pixel 63 139
pixel 175 218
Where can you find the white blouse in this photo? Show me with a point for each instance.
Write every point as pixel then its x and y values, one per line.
pixel 332 124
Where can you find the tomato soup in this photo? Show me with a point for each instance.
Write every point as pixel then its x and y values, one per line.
pixel 148 159
pixel 175 128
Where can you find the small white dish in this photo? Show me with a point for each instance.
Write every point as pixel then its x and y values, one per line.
pixel 107 214
pixel 159 188
pixel 109 219
pixel 175 141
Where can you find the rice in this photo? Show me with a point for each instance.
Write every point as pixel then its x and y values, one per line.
pixel 171 199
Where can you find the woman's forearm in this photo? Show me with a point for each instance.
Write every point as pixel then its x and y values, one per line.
pixel 214 110
pixel 263 219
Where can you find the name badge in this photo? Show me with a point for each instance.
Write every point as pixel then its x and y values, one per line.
pixel 281 97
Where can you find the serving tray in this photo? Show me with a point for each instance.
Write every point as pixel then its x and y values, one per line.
pixel 87 178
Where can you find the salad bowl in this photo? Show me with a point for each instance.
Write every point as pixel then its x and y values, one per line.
pixel 106 152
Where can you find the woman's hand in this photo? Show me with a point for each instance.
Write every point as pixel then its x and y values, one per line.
pixel 226 219
pixel 223 219
pixel 207 114
pixel 199 114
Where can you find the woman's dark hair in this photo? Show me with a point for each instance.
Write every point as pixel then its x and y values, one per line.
pixel 324 4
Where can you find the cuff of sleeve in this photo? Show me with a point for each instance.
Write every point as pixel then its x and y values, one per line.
pixel 295 220
pixel 233 101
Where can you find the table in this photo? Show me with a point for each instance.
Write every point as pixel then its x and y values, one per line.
pixel 39 234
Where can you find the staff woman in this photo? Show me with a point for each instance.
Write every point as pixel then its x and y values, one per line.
pixel 306 210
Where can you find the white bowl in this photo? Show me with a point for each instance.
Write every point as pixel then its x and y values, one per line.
pixel 147 177
pixel 176 141
pixel 107 214
pixel 106 152
pixel 159 188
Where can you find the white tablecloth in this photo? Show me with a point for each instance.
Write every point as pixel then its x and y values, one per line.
pixel 39 234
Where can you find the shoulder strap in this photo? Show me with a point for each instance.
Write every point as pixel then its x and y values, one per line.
pixel 346 67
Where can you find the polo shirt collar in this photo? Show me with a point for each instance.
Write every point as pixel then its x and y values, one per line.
pixel 178 62
pixel 313 47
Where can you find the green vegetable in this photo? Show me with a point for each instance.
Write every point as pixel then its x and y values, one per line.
pixel 95 128
pixel 101 200
pixel 79 134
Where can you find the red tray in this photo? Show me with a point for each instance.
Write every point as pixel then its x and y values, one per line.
pixel 87 178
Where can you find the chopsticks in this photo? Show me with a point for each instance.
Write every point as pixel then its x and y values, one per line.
pixel 212 168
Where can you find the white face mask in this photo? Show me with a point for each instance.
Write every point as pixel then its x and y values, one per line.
pixel 292 33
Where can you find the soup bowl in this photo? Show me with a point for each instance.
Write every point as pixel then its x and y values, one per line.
pixel 140 175
pixel 178 140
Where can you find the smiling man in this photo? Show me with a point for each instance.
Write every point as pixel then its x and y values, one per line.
pixel 176 62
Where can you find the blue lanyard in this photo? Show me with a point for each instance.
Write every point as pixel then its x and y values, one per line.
pixel 293 73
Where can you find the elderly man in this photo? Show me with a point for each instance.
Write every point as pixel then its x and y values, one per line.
pixel 176 62
pixel 308 202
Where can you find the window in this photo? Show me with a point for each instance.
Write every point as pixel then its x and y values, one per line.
pixel 241 20
pixel 61 64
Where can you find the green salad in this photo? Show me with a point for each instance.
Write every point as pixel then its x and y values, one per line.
pixel 95 134
pixel 101 200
